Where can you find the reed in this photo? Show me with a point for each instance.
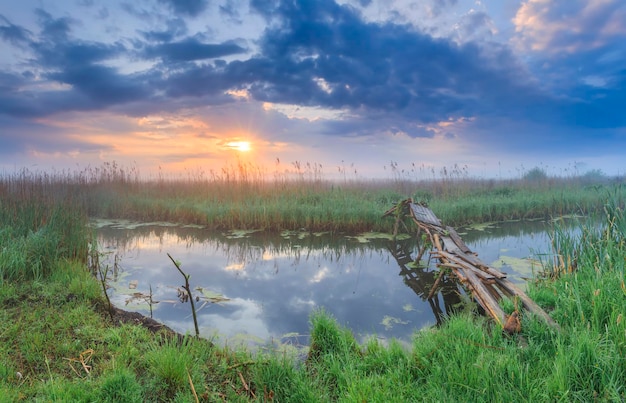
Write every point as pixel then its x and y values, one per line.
pixel 54 311
pixel 242 196
pixel 41 224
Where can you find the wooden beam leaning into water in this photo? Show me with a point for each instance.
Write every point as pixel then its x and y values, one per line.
pixel 486 284
pixel 476 283
pixel 528 303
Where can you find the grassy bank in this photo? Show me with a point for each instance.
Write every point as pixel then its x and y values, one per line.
pixel 58 342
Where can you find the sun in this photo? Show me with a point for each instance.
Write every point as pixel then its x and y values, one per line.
pixel 241 146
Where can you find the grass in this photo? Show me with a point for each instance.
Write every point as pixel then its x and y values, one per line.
pixel 243 197
pixel 58 343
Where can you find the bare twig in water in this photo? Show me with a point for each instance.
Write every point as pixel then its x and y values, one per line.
pixel 103 281
pixel 188 289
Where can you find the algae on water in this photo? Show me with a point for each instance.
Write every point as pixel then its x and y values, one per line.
pixel 369 236
pixel 523 266
pixel 389 322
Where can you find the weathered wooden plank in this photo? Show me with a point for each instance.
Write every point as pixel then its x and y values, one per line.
pixel 453 248
pixel 456 238
pixel 424 215
pixel 476 262
pixel 487 284
pixel 526 301
pixel 484 297
pixel 454 263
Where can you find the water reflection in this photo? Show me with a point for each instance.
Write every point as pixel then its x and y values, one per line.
pixel 268 284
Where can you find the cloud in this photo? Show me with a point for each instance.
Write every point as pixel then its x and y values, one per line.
pixel 474 25
pixel 575 49
pixel 13 34
pixel 192 49
pixel 230 9
pixel 68 74
pixel 379 76
pixel 568 27
pixel 324 54
pixel 54 28
pixel 192 8
pixel 176 27
pixel 20 137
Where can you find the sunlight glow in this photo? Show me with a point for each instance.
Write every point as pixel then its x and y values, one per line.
pixel 242 146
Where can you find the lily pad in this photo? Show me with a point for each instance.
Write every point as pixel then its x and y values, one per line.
pixel 240 233
pixel 369 236
pixel 522 266
pixel 295 234
pixel 483 226
pixel 389 322
pixel 127 224
pixel 211 296
pixel 567 217
pixel 195 226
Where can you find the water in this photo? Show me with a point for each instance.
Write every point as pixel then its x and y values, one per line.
pixel 259 288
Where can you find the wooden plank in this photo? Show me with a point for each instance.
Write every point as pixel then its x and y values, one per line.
pixel 456 238
pixel 487 284
pixel 465 266
pixel 424 215
pixel 484 297
pixel 476 262
pixel 470 258
pixel 451 246
pixel 459 261
pixel 526 301
pixel 433 290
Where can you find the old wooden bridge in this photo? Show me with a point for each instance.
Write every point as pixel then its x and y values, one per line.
pixel 486 284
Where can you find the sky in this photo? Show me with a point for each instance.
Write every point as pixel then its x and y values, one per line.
pixel 355 88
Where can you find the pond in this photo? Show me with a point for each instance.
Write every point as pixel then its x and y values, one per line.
pixel 258 289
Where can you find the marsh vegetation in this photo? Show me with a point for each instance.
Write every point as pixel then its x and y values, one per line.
pixel 60 344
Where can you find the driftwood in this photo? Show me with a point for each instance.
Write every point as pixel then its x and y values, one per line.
pixel 486 284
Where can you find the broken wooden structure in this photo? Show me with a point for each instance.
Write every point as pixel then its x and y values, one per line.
pixel 486 284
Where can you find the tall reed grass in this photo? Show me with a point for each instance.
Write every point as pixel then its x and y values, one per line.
pixel 241 196
pixel 40 224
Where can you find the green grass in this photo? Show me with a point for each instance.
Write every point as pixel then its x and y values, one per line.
pixel 351 207
pixel 242 197
pixel 57 342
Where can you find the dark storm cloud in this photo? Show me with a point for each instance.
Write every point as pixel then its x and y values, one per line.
pixel 324 54
pixel 61 59
pixel 314 53
pixel 192 49
pixel 186 7
pixel 103 85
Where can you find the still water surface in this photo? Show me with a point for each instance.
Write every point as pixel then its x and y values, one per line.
pixel 258 288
